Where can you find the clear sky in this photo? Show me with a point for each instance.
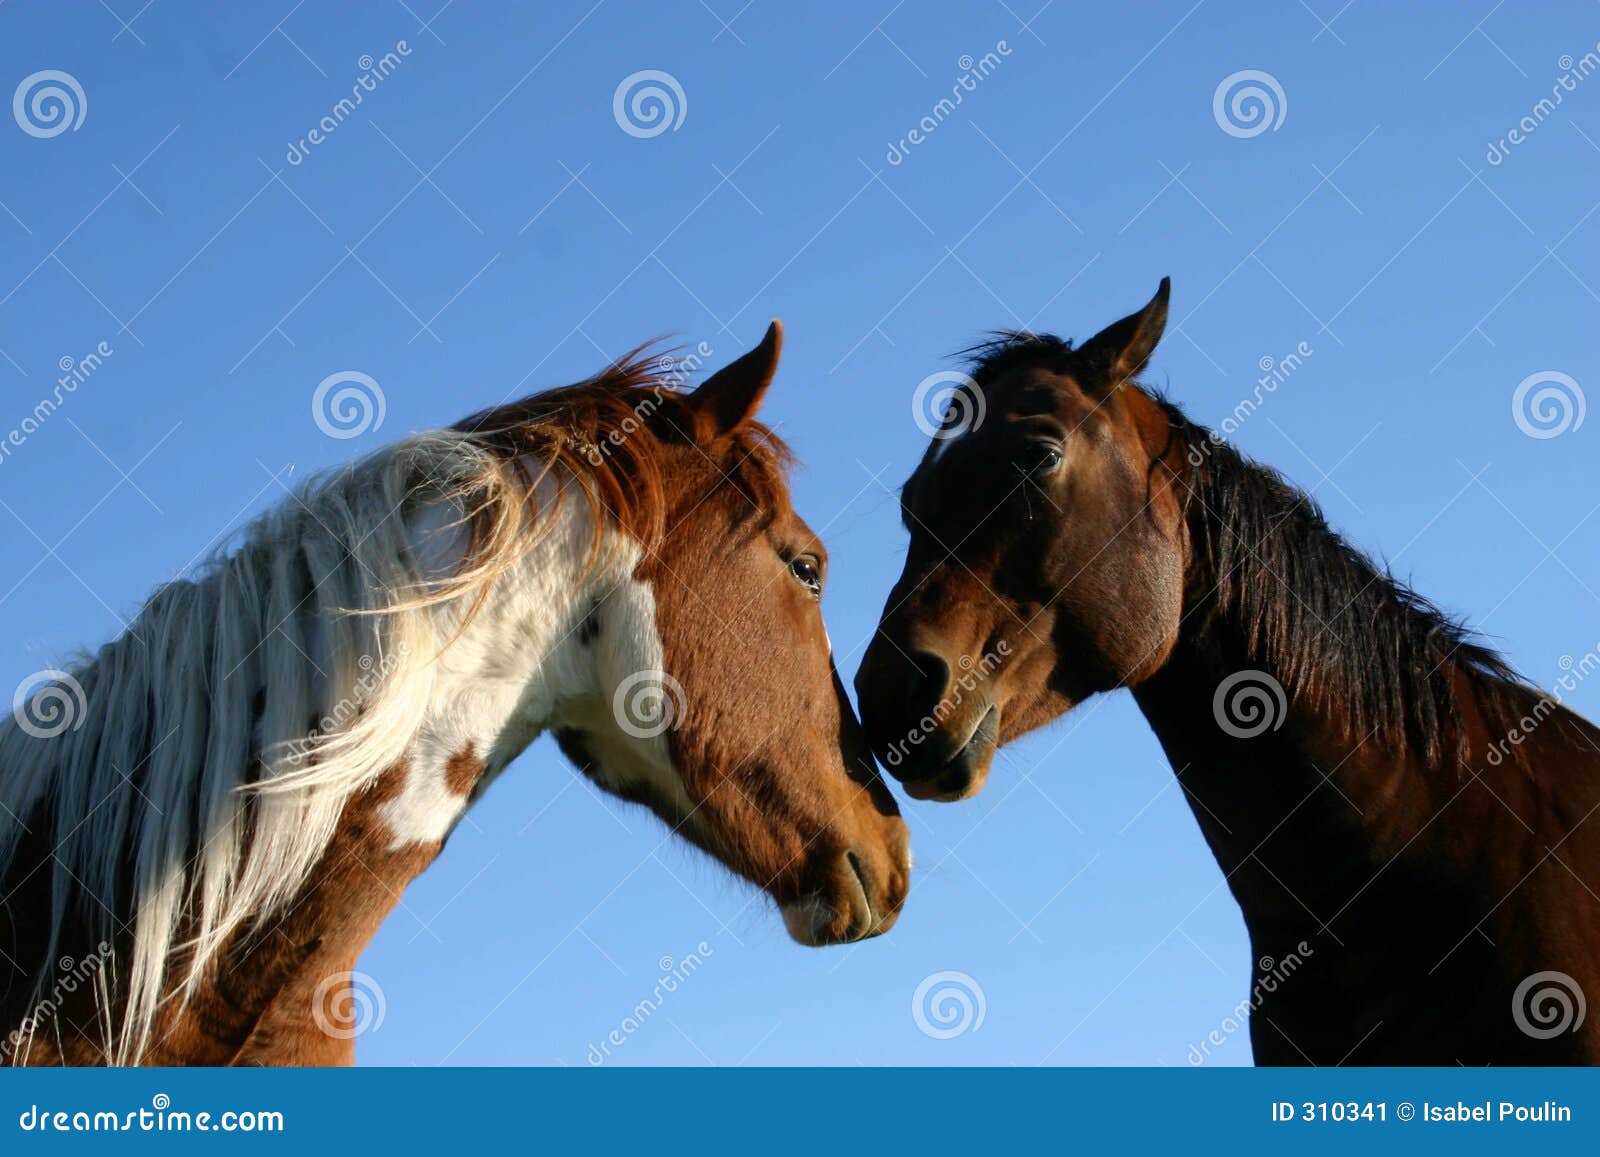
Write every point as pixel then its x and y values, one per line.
pixel 483 224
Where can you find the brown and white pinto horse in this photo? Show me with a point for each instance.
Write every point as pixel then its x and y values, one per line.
pixel 221 806
pixel 1371 781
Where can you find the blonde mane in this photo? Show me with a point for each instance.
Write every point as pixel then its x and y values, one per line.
pixel 219 739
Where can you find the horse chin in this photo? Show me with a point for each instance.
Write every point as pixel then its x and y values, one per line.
pixel 817 921
pixel 967 771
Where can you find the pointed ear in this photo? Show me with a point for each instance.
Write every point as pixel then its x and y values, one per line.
pixel 1125 346
pixel 731 396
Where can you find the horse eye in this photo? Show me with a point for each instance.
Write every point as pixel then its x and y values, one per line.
pixel 1041 458
pixel 804 568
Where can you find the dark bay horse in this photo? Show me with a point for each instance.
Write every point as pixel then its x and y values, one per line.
pixel 202 826
pixel 1388 801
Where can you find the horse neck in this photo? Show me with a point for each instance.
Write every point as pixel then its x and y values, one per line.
pixel 1303 798
pixel 525 661
pixel 528 658
pixel 1298 808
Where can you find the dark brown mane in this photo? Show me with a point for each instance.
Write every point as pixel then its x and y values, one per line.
pixel 616 430
pixel 1008 349
pixel 1331 623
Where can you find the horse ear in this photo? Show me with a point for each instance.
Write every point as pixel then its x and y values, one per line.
pixel 1125 346
pixel 730 397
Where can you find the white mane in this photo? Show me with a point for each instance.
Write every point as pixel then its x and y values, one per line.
pixel 191 751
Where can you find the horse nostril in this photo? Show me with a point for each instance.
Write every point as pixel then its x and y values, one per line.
pixel 932 675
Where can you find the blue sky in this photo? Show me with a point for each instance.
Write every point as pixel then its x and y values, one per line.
pixel 482 224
